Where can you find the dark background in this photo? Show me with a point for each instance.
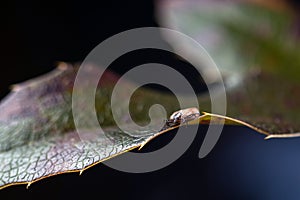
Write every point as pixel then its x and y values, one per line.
pixel 37 34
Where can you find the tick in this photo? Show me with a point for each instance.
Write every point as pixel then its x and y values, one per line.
pixel 182 116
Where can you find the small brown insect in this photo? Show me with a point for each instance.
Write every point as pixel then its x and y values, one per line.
pixel 183 116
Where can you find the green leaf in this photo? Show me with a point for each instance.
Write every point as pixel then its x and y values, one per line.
pixel 38 137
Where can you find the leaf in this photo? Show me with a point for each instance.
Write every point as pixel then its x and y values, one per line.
pixel 38 137
pixel 257 52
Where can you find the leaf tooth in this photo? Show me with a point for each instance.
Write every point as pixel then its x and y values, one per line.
pixel 28 185
pixel 15 87
pixel 62 65
pixel 142 145
pixel 81 171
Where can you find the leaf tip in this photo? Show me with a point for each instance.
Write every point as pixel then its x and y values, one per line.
pixel 288 135
pixel 268 137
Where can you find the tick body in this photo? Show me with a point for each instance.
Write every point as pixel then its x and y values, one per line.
pixel 183 116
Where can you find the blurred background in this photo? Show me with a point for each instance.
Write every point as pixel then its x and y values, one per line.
pixel 35 35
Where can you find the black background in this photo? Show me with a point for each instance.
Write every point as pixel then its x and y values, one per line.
pixel 37 34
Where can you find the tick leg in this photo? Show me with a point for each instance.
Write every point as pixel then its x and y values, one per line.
pixel 184 121
pixel 171 123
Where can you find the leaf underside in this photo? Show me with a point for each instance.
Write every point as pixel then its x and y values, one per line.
pixel 37 132
pixel 38 137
